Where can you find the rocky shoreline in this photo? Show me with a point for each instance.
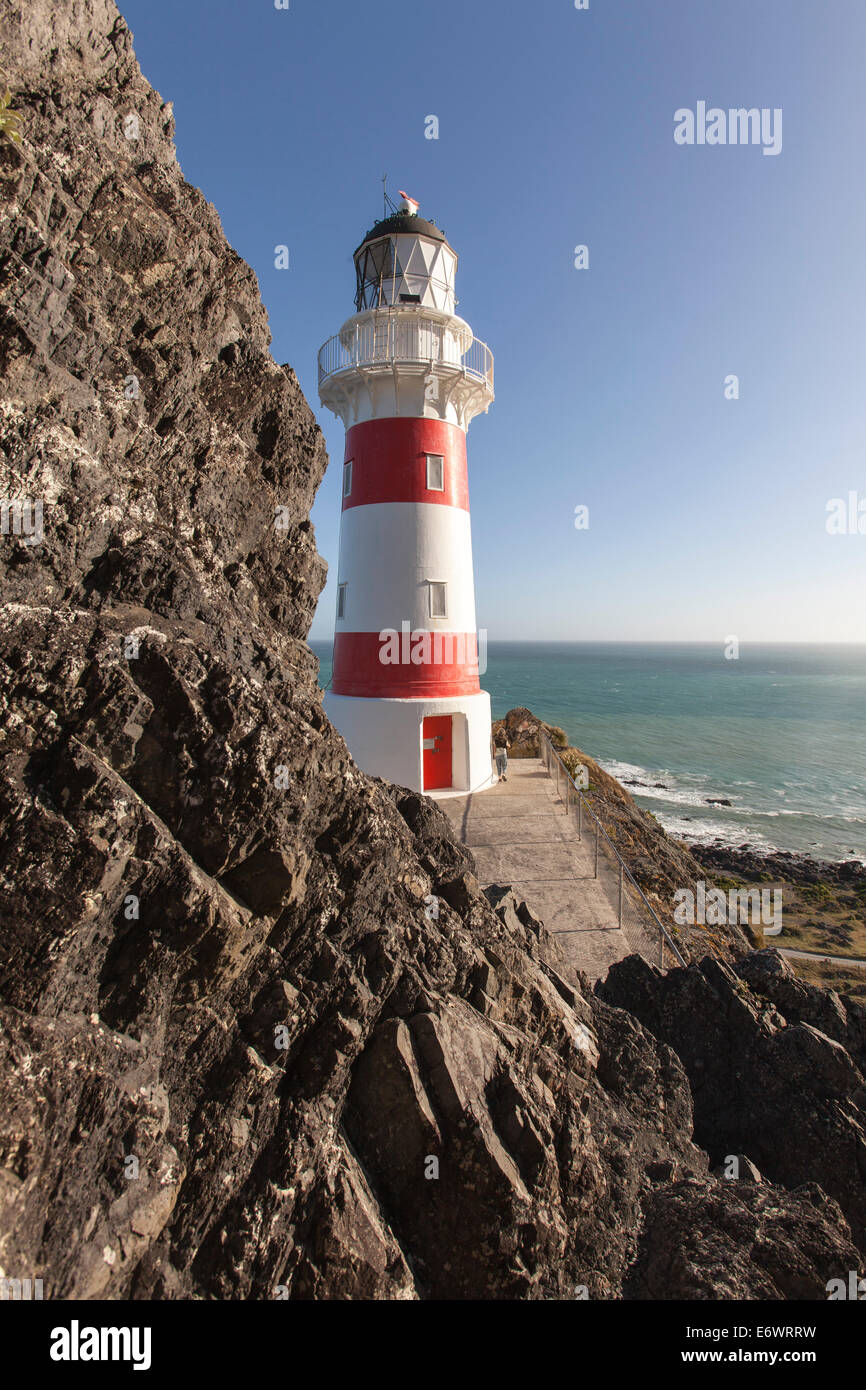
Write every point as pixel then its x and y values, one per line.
pixel 794 866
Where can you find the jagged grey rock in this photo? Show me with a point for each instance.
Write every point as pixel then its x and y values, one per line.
pixel 766 1081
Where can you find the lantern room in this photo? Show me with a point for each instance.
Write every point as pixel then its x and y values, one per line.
pixel 405 260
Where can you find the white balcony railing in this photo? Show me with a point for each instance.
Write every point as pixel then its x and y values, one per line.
pixel 384 341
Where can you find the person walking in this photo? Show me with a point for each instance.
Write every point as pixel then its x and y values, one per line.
pixel 500 748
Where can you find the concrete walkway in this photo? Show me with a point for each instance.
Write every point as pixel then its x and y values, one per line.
pixel 519 834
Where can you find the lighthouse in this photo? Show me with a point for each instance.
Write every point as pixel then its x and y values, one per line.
pixel 406 376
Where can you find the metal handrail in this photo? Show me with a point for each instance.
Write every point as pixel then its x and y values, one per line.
pixel 624 870
pixel 387 339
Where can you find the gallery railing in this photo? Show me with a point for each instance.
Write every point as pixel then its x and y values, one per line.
pixel 388 339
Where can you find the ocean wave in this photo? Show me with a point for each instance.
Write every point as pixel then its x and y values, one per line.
pixel 673 791
pixel 742 819
pixel 708 831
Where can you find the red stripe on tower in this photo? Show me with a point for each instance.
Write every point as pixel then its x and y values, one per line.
pixel 405 665
pixel 396 461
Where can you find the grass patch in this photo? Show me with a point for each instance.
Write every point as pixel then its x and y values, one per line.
pixel 817 917
pixel 726 884
pixel 845 979
pixel 557 736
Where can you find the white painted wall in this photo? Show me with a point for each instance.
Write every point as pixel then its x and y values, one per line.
pixel 388 550
pixel 384 737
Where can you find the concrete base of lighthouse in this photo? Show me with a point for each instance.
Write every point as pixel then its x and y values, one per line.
pixel 386 738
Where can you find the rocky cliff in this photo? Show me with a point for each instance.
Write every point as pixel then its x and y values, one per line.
pixel 261 1032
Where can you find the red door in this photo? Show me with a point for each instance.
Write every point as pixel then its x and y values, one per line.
pixel 437 752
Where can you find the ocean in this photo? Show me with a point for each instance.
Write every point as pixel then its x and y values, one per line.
pixel 780 733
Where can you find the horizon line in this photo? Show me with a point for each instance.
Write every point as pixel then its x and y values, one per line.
pixel 659 641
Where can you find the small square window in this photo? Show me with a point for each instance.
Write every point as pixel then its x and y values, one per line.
pixel 435 473
pixel 341 601
pixel 438 600
pixel 347 478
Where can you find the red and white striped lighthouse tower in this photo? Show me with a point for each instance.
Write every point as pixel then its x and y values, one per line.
pixel 406 376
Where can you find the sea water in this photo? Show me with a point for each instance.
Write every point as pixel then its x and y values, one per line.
pixel 780 732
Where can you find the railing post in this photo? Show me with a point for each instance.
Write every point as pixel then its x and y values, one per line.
pixel 579 816
pixel 595 875
pixel 620 892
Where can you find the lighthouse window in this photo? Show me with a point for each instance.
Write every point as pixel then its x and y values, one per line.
pixel 347 478
pixel 435 473
pixel 341 601
pixel 438 600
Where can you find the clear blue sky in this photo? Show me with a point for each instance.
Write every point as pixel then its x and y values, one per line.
pixel 707 516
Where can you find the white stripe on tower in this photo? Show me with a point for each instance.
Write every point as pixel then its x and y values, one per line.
pixel 390 553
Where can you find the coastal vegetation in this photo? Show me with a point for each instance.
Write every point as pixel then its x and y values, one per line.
pixel 10 121
pixel 821 917
pixel 844 979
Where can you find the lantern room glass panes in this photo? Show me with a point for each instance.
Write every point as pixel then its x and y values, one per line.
pixel 375 268
pixel 405 270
